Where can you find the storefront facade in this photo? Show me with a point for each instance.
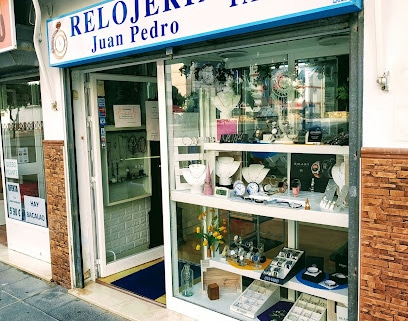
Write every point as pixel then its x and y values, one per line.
pixel 135 103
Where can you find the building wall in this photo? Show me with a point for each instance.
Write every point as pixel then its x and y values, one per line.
pixel 57 212
pixel 384 235
pixel 385 112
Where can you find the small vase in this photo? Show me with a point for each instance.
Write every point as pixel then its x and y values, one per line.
pixel 209 253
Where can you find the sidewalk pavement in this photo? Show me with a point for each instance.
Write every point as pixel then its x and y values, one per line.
pixel 24 297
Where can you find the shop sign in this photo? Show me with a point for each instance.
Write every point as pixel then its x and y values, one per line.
pixel 117 28
pixel 14 201
pixel 8 39
pixel 11 168
pixel 35 212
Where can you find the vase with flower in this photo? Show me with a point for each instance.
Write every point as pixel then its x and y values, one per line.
pixel 212 234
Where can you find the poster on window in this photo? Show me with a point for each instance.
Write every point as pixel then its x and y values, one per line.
pixel 35 212
pixel 152 120
pixel 127 116
pixel 14 201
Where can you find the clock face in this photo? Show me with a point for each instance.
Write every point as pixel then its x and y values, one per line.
pixel 59 44
pixel 239 188
pixel 252 188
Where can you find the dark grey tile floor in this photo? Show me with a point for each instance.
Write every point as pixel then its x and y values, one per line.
pixel 24 297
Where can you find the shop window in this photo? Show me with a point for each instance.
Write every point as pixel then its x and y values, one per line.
pixel 22 136
pixel 258 136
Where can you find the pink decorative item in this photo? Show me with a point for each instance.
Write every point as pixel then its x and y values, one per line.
pixel 208 190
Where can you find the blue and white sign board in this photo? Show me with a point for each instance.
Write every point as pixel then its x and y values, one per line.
pixel 11 168
pixel 117 28
pixel 35 212
pixel 14 201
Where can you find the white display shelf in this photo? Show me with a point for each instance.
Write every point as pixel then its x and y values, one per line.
pixel 340 295
pixel 315 215
pixel 278 148
pixel 222 305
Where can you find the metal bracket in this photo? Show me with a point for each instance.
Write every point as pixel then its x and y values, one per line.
pixel 384 80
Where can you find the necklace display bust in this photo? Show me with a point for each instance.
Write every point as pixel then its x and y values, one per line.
pixel 225 102
pixel 255 173
pixel 225 167
pixel 339 174
pixel 195 176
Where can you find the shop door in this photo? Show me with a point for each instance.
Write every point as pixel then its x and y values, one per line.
pixel 125 167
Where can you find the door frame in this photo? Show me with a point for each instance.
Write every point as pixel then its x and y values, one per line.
pixel 91 201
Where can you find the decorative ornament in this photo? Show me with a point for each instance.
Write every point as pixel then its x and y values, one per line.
pixel 208 190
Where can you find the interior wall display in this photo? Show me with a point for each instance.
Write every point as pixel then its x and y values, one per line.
pixel 313 171
pixel 127 116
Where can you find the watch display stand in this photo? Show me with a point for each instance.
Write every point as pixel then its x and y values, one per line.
pixel 257 297
pixel 284 266
pixel 308 307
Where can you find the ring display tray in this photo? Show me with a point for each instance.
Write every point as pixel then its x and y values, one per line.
pixel 257 297
pixel 308 308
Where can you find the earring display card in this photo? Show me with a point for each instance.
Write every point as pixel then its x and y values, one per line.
pixel 257 297
pixel 308 307
pixel 284 266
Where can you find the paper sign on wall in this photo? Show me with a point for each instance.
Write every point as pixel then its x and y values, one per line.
pixel 127 116
pixel 11 168
pixel 152 120
pixel 14 201
pixel 35 212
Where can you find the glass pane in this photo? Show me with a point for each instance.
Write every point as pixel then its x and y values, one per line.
pixel 126 163
pixel 293 93
pixel 22 136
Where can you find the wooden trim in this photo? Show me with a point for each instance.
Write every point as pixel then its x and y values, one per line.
pixel 385 153
pixel 53 142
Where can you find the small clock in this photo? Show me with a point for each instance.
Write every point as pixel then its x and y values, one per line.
pixel 252 188
pixel 239 188
pixel 59 42
pixel 221 191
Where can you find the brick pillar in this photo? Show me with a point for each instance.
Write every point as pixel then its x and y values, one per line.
pixel 57 212
pixel 384 235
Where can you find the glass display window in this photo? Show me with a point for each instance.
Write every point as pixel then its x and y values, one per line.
pixel 22 136
pixel 258 167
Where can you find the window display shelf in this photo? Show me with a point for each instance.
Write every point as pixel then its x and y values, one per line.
pixel 278 148
pixel 315 215
pixel 340 295
pixel 222 305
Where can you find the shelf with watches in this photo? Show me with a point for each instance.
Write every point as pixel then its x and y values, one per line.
pixel 281 210
pixel 340 295
pixel 277 148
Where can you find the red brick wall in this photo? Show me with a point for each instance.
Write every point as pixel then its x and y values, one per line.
pixel 384 235
pixel 57 211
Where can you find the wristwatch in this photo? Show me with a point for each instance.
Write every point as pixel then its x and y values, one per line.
pixel 315 168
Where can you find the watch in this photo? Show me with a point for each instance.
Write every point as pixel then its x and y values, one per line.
pixel 239 188
pixel 59 42
pixel 315 168
pixel 252 188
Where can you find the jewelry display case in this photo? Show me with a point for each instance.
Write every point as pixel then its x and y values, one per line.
pixel 126 165
pixel 287 127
